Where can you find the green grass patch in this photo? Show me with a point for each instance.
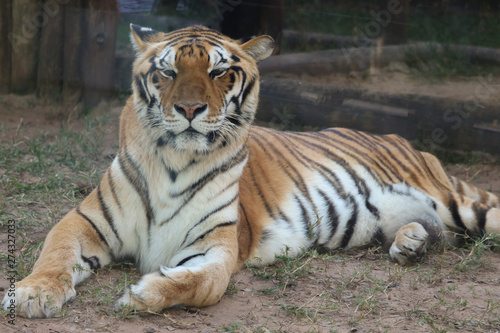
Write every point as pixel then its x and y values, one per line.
pixel 285 270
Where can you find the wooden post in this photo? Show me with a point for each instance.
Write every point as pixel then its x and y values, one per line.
pixel 27 18
pixel 5 47
pixel 99 54
pixel 394 16
pixel 74 35
pixel 161 7
pixel 50 61
pixel 247 18
pixel 272 17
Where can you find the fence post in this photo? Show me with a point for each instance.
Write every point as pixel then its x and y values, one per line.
pixel 5 48
pixel 99 55
pixel 74 36
pixel 27 18
pixel 394 16
pixel 50 61
pixel 247 18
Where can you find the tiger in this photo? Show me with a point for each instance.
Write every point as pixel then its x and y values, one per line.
pixel 196 190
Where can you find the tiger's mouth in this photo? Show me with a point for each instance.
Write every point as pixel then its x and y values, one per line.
pixel 190 129
pixel 192 133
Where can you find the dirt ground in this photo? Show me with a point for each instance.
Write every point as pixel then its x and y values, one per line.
pixel 356 291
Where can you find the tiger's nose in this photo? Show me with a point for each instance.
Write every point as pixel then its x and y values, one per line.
pixel 190 111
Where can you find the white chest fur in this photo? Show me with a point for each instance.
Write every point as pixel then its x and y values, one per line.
pixel 185 203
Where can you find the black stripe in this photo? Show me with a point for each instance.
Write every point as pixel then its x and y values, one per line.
pixel 401 146
pixel 452 205
pixel 93 262
pixel 237 109
pixel 232 79
pixel 260 194
pixel 333 218
pixel 351 223
pixel 183 261
pixel 141 88
pixel 358 138
pixel 194 34
pixel 211 40
pixel 214 211
pixel 326 172
pixel 371 208
pixel 230 163
pixel 361 184
pixel 410 156
pixel 154 79
pixel 243 74
pixel 379 238
pixel 185 202
pixel 133 173
pixel 93 226
pixel 182 40
pixel 285 164
pixel 396 161
pixel 480 211
pixel 111 185
pixel 282 216
pixel 233 120
pixel 173 174
pixel 210 231
pixel 247 90
pixel 359 181
pixel 250 231
pixel 107 214
pixel 362 158
pixel 305 218
pixel 162 141
pixel 193 193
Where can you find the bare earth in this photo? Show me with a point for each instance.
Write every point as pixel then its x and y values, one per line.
pixel 357 291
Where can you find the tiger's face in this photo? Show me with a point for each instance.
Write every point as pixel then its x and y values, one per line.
pixel 195 89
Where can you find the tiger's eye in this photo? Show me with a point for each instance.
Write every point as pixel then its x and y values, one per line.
pixel 218 72
pixel 169 73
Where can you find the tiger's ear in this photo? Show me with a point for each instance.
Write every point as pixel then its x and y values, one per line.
pixel 259 48
pixel 141 36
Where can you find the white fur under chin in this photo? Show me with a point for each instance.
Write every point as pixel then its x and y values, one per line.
pixel 191 142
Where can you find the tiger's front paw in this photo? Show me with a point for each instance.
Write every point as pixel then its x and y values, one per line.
pixel 409 244
pixel 39 297
pixel 143 296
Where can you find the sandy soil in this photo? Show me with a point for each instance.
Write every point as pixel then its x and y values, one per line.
pixel 355 291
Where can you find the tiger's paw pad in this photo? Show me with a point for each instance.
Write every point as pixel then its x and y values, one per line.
pixel 37 300
pixel 410 243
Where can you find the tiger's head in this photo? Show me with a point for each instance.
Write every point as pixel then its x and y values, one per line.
pixel 195 89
